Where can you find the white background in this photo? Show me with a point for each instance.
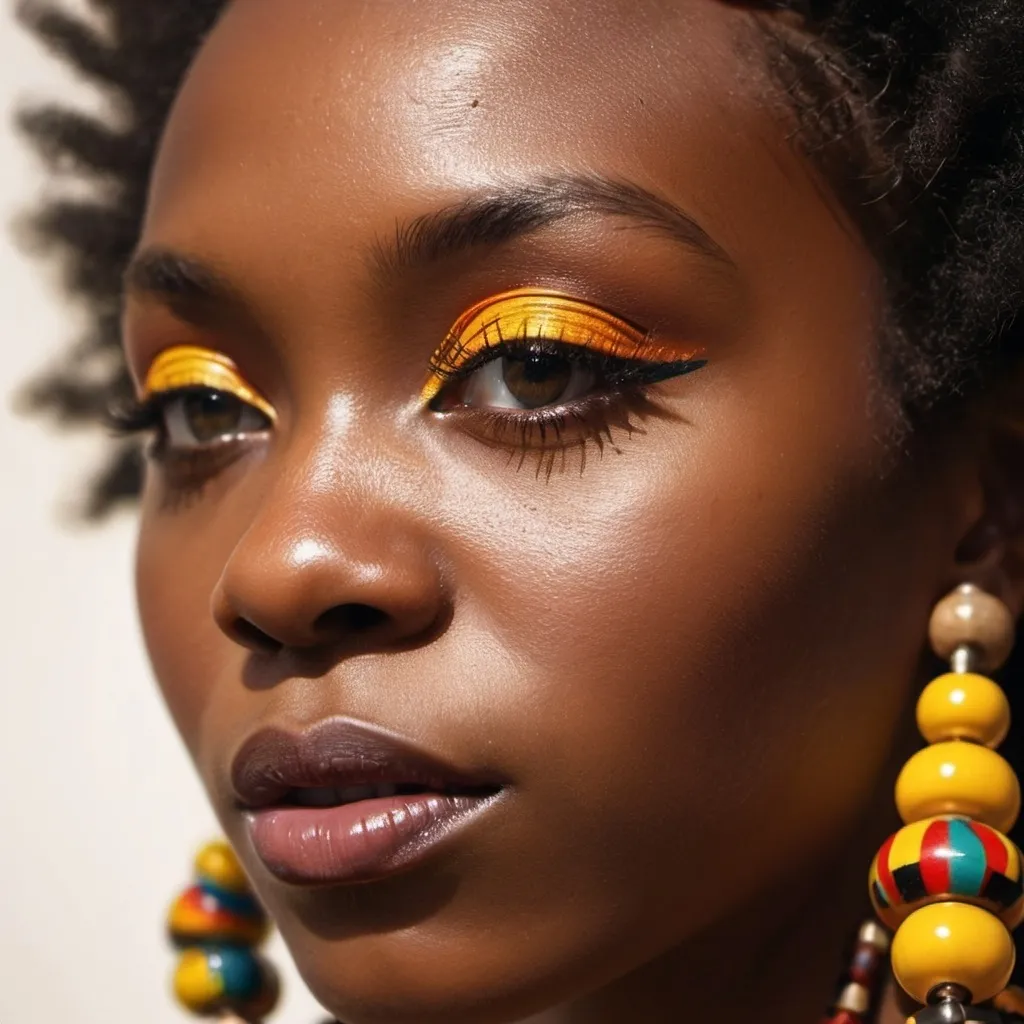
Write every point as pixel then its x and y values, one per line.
pixel 100 810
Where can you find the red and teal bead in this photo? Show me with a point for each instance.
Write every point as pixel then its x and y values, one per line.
pixel 215 923
pixel 947 858
pixel 213 981
pixel 220 909
pixel 204 915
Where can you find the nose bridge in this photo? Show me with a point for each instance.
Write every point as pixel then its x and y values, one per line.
pixel 339 545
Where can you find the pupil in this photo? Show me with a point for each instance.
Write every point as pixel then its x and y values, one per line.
pixel 212 414
pixel 537 378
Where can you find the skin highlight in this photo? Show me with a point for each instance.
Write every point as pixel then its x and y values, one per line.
pixel 666 652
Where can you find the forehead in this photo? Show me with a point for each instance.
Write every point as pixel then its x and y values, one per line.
pixel 419 101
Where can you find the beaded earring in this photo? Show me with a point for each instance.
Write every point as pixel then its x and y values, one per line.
pixel 217 924
pixel 949 881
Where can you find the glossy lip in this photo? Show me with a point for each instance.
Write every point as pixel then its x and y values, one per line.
pixel 362 840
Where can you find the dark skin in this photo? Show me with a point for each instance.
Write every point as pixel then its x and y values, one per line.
pixel 692 657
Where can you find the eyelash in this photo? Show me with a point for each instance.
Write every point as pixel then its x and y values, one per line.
pixel 186 472
pixel 620 401
pixel 623 404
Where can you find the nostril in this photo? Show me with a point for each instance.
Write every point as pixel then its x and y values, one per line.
pixel 254 638
pixel 350 618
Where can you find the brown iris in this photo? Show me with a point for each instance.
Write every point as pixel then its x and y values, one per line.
pixel 212 414
pixel 536 378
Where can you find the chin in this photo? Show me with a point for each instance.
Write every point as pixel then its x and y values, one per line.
pixel 410 981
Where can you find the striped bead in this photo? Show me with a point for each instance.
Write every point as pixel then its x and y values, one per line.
pixel 866 964
pixel 205 915
pixel 947 858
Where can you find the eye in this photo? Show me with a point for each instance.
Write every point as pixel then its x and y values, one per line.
pixel 196 397
pixel 200 417
pixel 538 371
pixel 527 379
pixel 529 349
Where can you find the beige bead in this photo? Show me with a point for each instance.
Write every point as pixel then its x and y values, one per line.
pixel 873 934
pixel 854 998
pixel 970 617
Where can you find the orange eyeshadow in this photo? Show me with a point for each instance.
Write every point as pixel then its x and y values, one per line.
pixel 189 366
pixel 529 314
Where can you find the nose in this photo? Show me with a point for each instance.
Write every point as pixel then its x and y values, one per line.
pixel 372 584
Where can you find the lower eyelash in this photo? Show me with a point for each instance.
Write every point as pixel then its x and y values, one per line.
pixel 568 430
pixel 186 473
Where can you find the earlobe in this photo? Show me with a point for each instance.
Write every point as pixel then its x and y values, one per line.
pixel 991 552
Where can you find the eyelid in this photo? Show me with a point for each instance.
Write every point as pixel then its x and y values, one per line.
pixel 531 313
pixel 190 366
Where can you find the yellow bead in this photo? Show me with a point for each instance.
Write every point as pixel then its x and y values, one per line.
pixel 963 706
pixel 952 943
pixel 959 778
pixel 217 863
pixel 196 987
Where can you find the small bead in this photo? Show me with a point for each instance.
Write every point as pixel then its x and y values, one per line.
pixel 945 1013
pixel 217 863
pixel 946 858
pixel 949 992
pixel 865 964
pixel 952 943
pixel 844 1017
pixel 972 618
pixel 959 778
pixel 956 1013
pixel 963 706
pixel 873 934
pixel 855 998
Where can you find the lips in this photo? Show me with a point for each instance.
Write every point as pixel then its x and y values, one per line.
pixel 343 802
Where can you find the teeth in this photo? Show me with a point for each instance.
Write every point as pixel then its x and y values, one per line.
pixel 350 794
pixel 319 797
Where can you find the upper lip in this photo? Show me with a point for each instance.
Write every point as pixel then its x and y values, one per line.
pixel 337 753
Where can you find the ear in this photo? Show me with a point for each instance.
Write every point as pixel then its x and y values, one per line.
pixel 991 552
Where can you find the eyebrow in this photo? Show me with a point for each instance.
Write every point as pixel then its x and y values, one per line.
pixel 180 281
pixel 500 215
pixel 193 289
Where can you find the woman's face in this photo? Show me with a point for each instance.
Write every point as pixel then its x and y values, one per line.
pixel 646 591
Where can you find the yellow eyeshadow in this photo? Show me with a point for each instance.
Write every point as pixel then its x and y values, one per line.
pixel 189 366
pixel 530 314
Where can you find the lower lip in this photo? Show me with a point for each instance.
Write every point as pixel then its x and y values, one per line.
pixel 357 842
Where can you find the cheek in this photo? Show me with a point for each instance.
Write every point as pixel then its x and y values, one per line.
pixel 699 642
pixel 179 560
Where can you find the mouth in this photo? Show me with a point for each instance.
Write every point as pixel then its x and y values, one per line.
pixel 343 802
